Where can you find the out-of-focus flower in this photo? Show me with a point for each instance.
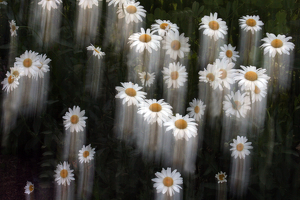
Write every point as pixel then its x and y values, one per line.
pixel 116 2
pixel 236 104
pixel 197 109
pixel 277 44
pixel 148 77
pixel 132 11
pixel 86 154
pixel 3 2
pixel 49 4
pixel 211 75
pixel 175 75
pixel 9 83
pixel 130 93
pixel 63 174
pixel 162 27
pixel 17 72
pixel 251 23
pixel 29 62
pixel 258 93
pixel 221 176
pixel 227 73
pixel 74 119
pixel 228 53
pixel 13 28
pixel 29 187
pixel 96 51
pixel 88 3
pixel 240 147
pixel 43 66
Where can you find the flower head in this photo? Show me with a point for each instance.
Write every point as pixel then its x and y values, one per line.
pixel 63 174
pixel 86 154
pixel 130 93
pixel 197 109
pixel 49 4
pixel 236 104
pixel 132 11
pixel 29 187
pixel 29 62
pixel 147 79
pixel 10 82
pixel 211 75
pixel 43 66
pixel 221 176
pixel 227 73
pixel 258 93
pixel 13 28
pixel 96 51
pixel 88 3
pixel 162 27
pixel 175 75
pixel 74 119
pixel 277 44
pixel 240 147
pixel 228 53
pixel 251 23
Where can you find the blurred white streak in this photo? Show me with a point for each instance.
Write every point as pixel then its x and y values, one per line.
pixel 85 180
pixel 175 196
pixel 222 191
pixel 239 177
pixel 73 142
pixel 190 154
pixel 64 192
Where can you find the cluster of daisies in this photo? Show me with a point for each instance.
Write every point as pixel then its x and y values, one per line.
pixel 29 64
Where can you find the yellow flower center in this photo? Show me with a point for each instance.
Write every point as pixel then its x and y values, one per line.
pixel 181 124
pixel 31 188
pixel 27 62
pixel 251 76
pixel 16 73
pixel 155 107
pixel 13 27
pixel 237 105
pixel 131 9
pixel 251 22
pixel 130 92
pixel 221 177
pixel 163 26
pixel 10 80
pixel 277 43
pixel 74 119
pixel 197 109
pixel 223 74
pixel 64 173
pixel 96 50
pixel 168 181
pixel 240 147
pixel 213 25
pixel 175 45
pixel 229 53
pixel 256 90
pixel 86 154
pixel 174 75
pixel 145 38
pixel 146 77
pixel 210 77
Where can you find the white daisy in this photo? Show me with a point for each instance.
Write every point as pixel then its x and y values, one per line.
pixel 251 23
pixel 3 2
pixel 163 27
pixel 197 109
pixel 88 3
pixel 258 93
pixel 16 71
pixel 49 4
pixel 175 75
pixel 155 111
pixel 176 45
pixel 144 40
pixel 130 93
pixel 213 26
pixel 227 73
pixel 211 75
pixel 43 66
pixel 29 187
pixel 236 104
pixel 167 181
pixel 96 51
pixel 29 62
pixel 10 82
pixel 74 119
pixel 221 176
pixel 148 77
pixel 250 77
pixel 277 44
pixel 228 53
pixel 63 174
pixel 132 11
pixel 86 154
pixel 13 28
pixel 116 2
pixel 240 147
pixel 183 127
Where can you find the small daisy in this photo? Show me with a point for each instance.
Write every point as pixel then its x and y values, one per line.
pixel 13 28
pixel 132 11
pixel 29 187
pixel 251 23
pixel 43 66
pixel 176 45
pixel 163 27
pixel 228 53
pixel 3 2
pixel 221 176
pixel 277 44
pixel 63 174
pixel 148 77
pixel 240 147
pixel 236 104
pixel 213 26
pixel 211 75
pixel 167 181
pixel 197 109
pixel 130 93
pixel 17 72
pixel 49 4
pixel 74 119
pixel 258 93
pixel 29 62
pixel 183 127
pixel 88 3
pixel 250 77
pixel 86 154
pixel 175 75
pixel 155 111
pixel 144 40
pixel 227 73
pixel 96 51
pixel 10 82
pixel 116 2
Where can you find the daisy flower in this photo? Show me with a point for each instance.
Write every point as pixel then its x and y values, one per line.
pixel 183 127
pixel 29 187
pixel 236 104
pixel 148 77
pixel 155 111
pixel 86 154
pixel 277 44
pixel 258 93
pixel 213 26
pixel 221 176
pixel 3 2
pixel 63 174
pixel 227 73
pixel 10 82
pixel 162 27
pixel 96 51
pixel 132 11
pixel 43 66
pixel 197 109
pixel 88 3
pixel 250 77
pixel 144 40
pixel 167 181
pixel 74 119
pixel 240 147
pixel 228 53
pixel 13 28
pixel 116 2
pixel 130 93
pixel 175 75
pixel 211 75
pixel 251 23
pixel 49 4
pixel 29 62
pixel 17 72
